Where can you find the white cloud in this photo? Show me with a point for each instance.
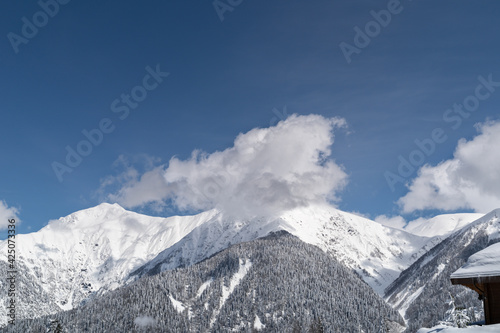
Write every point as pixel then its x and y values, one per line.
pixel 150 187
pixel 7 213
pixel 471 180
pixel 267 170
pixel 145 321
pixel 132 187
pixel 397 222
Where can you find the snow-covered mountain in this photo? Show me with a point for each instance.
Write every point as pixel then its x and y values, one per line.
pixel 423 292
pixel 273 284
pixel 377 253
pixel 441 225
pixel 87 253
pixel 92 251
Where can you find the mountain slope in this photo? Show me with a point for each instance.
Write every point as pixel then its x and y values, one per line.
pixel 87 253
pixel 377 253
pixel 93 251
pixel 271 284
pixel 423 293
pixel 441 225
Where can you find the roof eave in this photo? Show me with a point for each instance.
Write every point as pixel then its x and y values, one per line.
pixel 475 280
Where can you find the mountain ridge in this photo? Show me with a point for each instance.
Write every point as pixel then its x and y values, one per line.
pixel 377 253
pixel 90 252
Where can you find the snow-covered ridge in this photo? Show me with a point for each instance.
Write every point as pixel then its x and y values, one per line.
pixel 441 225
pixel 92 251
pixel 376 252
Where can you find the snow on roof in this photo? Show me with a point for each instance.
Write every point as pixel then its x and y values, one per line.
pixel 472 329
pixel 484 263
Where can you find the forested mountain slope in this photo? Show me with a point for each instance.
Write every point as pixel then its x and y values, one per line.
pixel 275 284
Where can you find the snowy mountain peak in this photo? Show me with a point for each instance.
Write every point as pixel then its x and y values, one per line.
pixel 92 251
pixel 441 225
pixel 95 215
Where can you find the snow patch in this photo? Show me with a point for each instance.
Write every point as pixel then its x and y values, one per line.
pixel 472 329
pixel 235 280
pixel 244 267
pixel 440 269
pixel 407 300
pixel 177 305
pixel 257 324
pixel 203 287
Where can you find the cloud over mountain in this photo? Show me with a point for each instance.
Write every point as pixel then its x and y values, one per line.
pixel 266 171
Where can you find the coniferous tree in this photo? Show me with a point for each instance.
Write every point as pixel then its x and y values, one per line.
pixel 296 327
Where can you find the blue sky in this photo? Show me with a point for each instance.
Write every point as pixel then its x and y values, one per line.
pixel 226 77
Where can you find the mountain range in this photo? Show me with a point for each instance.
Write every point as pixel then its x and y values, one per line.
pixel 93 255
